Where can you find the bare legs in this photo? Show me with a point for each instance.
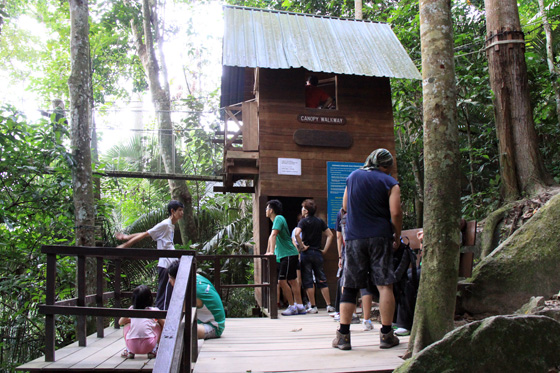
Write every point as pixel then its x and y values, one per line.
pixel 324 292
pixel 386 304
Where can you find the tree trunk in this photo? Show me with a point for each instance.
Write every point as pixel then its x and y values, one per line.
pixel 79 84
pixel 550 57
pixel 162 105
pixel 358 9
pixel 521 166
pixel 438 284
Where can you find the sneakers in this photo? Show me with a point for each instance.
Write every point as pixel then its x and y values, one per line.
pixel 312 310
pixel 337 316
pixel 291 310
pixel 342 341
pixel 355 319
pixel 402 332
pixel 127 355
pixel 388 340
pixel 330 308
pixel 300 309
pixel 367 325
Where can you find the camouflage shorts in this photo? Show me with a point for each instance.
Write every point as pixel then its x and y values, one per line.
pixel 368 262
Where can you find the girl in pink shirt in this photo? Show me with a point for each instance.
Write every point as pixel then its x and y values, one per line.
pixel 141 336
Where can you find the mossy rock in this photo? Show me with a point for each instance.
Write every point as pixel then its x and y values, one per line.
pixel 496 344
pixel 525 265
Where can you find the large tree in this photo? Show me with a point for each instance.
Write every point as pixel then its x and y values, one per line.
pixel 161 100
pixel 521 166
pixel 79 85
pixel 436 296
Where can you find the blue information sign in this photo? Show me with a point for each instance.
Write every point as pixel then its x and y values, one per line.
pixel 337 172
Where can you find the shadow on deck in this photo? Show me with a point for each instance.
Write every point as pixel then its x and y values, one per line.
pixel 288 344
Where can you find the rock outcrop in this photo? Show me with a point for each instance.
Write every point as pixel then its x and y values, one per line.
pixel 524 265
pixel 496 344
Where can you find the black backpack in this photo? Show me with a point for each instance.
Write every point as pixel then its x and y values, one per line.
pixel 406 288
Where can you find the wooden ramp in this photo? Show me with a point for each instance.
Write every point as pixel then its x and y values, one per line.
pixel 289 344
pixel 101 354
pixel 295 344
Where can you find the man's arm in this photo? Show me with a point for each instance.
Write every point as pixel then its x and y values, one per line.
pixel 329 235
pixel 271 242
pixel 396 213
pixel 345 200
pixel 339 243
pixel 137 237
pixel 301 246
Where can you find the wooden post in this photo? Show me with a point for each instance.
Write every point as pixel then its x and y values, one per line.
pixel 117 289
pixel 99 297
pixel 273 287
pixel 50 297
pixel 81 279
pixel 194 326
pixel 217 277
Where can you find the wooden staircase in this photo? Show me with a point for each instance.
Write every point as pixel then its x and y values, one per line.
pixel 241 158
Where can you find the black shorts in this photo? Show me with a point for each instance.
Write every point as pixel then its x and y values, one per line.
pixel 368 260
pixel 287 270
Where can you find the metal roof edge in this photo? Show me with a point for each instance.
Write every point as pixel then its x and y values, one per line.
pixel 300 14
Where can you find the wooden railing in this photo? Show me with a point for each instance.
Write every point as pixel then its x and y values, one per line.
pixel 178 344
pixel 269 296
pixel 247 127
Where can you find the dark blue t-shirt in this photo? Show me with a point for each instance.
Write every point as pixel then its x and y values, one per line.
pixel 312 231
pixel 368 204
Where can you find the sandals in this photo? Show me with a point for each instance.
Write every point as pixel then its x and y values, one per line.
pixel 127 355
pixel 153 354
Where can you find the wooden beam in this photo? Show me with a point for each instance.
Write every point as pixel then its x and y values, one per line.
pixel 221 141
pixel 222 189
pixel 159 176
pixel 240 154
pixel 243 170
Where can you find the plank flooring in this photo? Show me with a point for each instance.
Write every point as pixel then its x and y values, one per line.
pixel 289 344
pixel 101 354
pixel 295 344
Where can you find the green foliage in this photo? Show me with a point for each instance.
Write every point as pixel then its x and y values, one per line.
pixel 44 63
pixel 230 218
pixel 35 207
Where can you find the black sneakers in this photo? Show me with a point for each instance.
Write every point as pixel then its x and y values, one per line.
pixel 342 341
pixel 387 340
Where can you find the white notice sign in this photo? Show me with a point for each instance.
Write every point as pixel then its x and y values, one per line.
pixel 289 166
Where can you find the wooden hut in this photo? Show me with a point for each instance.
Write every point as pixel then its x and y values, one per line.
pixel 284 149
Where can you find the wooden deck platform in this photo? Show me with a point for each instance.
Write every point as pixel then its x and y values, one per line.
pixel 101 354
pixel 295 344
pixel 289 344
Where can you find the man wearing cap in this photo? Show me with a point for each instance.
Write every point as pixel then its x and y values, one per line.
pixel 372 200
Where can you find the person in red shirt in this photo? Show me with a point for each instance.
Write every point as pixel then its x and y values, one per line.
pixel 315 97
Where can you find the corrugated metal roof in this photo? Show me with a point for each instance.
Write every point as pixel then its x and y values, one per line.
pixel 282 40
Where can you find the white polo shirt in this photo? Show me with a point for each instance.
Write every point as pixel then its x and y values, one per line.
pixel 162 233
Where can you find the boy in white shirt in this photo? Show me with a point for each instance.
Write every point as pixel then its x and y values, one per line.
pixel 162 233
